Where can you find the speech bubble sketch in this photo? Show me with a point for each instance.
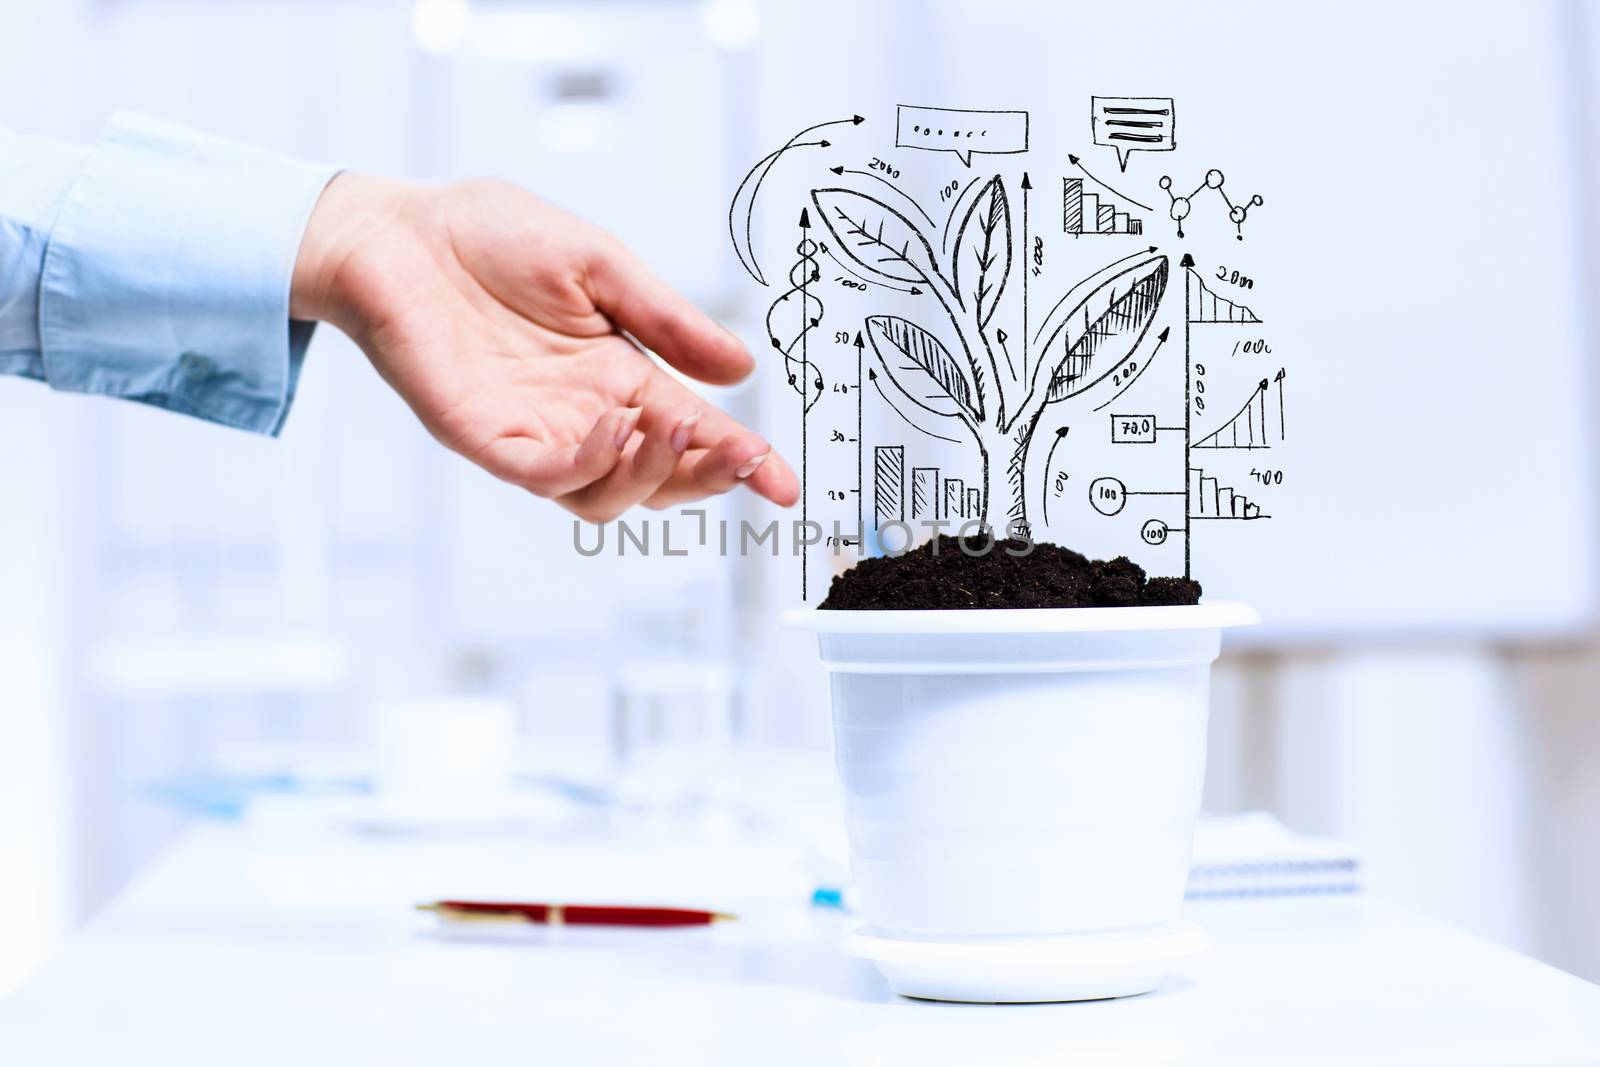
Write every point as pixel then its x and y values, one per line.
pixel 1133 124
pixel 946 129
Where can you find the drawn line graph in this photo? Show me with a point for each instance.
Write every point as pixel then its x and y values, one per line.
pixel 1251 428
pixel 1179 206
pixel 1207 306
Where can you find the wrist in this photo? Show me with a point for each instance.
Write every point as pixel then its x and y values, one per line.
pixel 353 207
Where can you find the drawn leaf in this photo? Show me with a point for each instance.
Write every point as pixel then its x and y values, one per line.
pixel 875 236
pixel 923 369
pixel 1103 329
pixel 983 251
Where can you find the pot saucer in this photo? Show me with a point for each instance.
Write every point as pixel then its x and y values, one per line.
pixel 1027 970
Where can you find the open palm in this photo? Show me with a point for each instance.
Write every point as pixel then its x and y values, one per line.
pixel 504 323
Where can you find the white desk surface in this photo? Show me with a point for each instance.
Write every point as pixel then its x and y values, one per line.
pixel 274 946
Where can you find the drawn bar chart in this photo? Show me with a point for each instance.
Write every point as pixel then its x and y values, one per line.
pixel 1206 306
pixel 933 496
pixel 1252 426
pixel 1209 500
pixel 1083 212
pixel 889 484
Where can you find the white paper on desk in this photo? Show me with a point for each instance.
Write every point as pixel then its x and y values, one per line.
pixel 1254 855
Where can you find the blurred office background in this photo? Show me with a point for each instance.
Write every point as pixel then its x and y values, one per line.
pixel 187 613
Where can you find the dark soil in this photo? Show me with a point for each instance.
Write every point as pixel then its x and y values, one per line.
pixel 939 574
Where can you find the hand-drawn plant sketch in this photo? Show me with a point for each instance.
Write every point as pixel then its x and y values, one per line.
pixel 997 398
pixel 913 302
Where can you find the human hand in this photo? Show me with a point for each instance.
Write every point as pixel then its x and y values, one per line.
pixel 499 320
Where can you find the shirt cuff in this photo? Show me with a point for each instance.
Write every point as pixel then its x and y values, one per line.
pixel 166 276
pixel 35 174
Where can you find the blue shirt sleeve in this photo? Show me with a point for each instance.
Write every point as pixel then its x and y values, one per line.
pixel 35 175
pixel 163 274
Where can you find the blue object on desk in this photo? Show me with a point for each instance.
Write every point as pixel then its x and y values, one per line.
pixel 827 896
pixel 227 796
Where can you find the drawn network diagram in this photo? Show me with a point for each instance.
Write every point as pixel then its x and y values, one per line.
pixel 968 312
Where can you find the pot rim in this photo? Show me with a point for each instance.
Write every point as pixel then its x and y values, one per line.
pixel 1206 615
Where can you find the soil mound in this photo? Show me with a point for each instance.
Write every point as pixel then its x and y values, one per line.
pixel 939 574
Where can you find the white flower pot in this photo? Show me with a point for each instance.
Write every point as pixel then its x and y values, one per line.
pixel 1021 789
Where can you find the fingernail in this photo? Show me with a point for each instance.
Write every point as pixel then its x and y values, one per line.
pixel 680 435
pixel 625 428
pixel 750 468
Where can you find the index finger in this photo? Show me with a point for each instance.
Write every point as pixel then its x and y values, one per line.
pixel 633 297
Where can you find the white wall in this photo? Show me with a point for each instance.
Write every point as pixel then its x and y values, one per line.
pixel 37 440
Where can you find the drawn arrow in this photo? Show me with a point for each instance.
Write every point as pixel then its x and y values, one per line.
pixel 861 485
pixel 872 376
pixel 806 322
pixel 1132 255
pixel 1161 339
pixel 805 408
pixel 1115 192
pixel 1187 261
pixel 1002 337
pixel 1027 269
pixel 842 169
pixel 746 252
pixel 743 245
pixel 1279 380
pixel 1061 435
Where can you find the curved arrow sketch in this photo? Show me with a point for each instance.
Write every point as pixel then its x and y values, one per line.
pixel 1050 458
pixel 745 195
pixel 842 170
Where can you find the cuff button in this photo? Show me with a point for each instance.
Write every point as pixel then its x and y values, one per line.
pixel 196 368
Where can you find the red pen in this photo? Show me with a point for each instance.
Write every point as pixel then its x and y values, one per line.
pixel 570 914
